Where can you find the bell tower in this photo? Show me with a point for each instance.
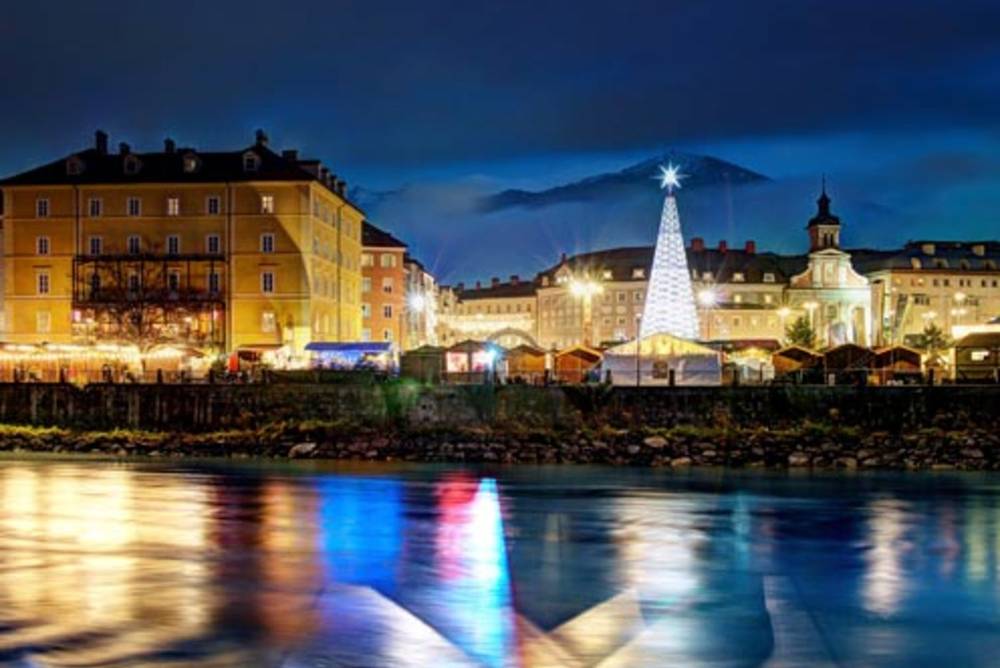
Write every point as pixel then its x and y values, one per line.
pixel 824 227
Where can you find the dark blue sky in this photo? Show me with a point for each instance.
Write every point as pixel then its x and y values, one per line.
pixel 899 102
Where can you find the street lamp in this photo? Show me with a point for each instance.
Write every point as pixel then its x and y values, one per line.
pixel 585 289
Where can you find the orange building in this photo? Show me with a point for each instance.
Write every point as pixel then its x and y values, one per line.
pixel 383 286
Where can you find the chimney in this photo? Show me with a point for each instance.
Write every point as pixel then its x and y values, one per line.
pixel 341 187
pixel 101 142
pixel 479 286
pixel 562 259
pixel 169 146
pixel 290 154
pixel 697 244
pixel 514 279
pixel 260 137
pixel 723 246
pixel 324 176
pixel 460 287
pixel 751 247
pixel 124 148
pixel 494 282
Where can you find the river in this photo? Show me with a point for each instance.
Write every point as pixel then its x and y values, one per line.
pixel 204 563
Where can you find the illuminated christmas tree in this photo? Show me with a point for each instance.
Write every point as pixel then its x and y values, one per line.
pixel 669 307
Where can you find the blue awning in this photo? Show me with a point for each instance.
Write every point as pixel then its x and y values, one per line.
pixel 361 347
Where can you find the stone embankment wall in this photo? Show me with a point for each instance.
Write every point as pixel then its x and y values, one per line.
pixel 201 408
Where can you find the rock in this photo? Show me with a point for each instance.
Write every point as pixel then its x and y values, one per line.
pixel 302 450
pixel 847 463
pixel 972 453
pixel 680 462
pixel 633 449
pixel 655 442
pixel 798 459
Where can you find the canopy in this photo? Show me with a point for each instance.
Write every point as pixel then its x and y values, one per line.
pixel 658 355
pixel 362 347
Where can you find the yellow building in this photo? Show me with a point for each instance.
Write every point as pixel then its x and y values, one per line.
pixel 215 250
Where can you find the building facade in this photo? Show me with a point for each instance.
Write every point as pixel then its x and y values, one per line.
pixel 214 250
pixel 384 286
pixel 502 312
pixel 421 315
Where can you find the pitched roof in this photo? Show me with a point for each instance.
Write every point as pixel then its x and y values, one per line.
pixel 375 237
pixel 944 256
pixel 99 166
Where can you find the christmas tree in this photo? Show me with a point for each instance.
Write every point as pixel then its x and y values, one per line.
pixel 669 307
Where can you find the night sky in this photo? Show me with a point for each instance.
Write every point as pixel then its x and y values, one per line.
pixel 897 102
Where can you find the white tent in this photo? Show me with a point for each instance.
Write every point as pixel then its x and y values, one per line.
pixel 692 363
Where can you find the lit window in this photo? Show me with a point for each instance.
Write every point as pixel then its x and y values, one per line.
pixel 638 272
pixel 268 322
pixel 190 163
pixel 267 243
pixel 267 203
pixel 133 206
pixel 366 334
pixel 134 244
pixel 267 282
pixel 366 310
pixel 42 245
pixel 250 162
pixel 95 245
pixel 212 244
pixel 707 276
pixel 738 277
pixel 42 207
pixel 387 311
pixel 43 282
pixel 387 260
pixel 367 260
pixel 769 277
pixel 43 322
pixel 366 284
pixel 606 274
pixel 95 207
pixel 212 206
pixel 737 299
pixel 173 244
pixel 768 299
pixel 387 284
pixel 979 355
pixel 173 206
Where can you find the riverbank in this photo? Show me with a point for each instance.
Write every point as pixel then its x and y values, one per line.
pixel 808 445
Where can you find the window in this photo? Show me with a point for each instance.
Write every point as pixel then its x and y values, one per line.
pixel 42 245
pixel 387 284
pixel 134 282
pixel 737 298
pixel 95 245
pixel 134 244
pixel 387 260
pixel 43 322
pixel 42 207
pixel 190 163
pixel 387 311
pixel 622 297
pixel 739 277
pixel 133 206
pixel 173 244
pixel 212 206
pixel 768 299
pixel 42 282
pixel 249 162
pixel 366 310
pixel 387 335
pixel 921 300
pixel 979 355
pixel 769 277
pixel 367 260
pixel 366 284
pixel 706 276
pixel 173 206
pixel 132 165
pixel 267 242
pixel 95 283
pixel 267 203
pixel 212 244
pixel 174 280
pixel 213 282
pixel 638 272
pixel 268 322
pixel 95 207
pixel 366 334
pixel 267 282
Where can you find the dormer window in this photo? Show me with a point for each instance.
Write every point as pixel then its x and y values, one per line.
pixel 707 276
pixel 638 272
pixel 606 274
pixel 739 277
pixel 769 277
pixel 132 164
pixel 74 166
pixel 191 163
pixel 250 161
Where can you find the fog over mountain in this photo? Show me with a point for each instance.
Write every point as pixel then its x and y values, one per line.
pixel 468 230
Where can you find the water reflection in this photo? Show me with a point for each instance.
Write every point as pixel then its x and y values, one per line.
pixel 105 564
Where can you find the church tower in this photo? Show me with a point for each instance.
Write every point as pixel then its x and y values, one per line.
pixel 824 227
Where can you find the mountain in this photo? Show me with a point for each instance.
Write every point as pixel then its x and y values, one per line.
pixel 701 171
